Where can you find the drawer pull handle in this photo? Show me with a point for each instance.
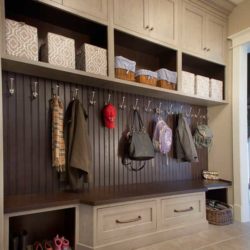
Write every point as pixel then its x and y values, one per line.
pixel 184 210
pixel 128 221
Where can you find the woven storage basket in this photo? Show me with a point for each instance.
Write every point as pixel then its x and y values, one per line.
pixel 125 74
pixel 220 217
pixel 124 68
pixel 146 77
pixel 166 79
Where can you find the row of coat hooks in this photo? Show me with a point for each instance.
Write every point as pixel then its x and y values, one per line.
pixel 148 108
pixel 35 89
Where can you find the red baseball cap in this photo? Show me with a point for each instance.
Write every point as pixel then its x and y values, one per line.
pixel 109 115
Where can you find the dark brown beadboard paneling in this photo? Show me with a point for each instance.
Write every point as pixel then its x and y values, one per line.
pixel 27 140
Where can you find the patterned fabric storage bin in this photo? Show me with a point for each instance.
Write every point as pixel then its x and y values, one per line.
pixel 92 59
pixel 124 68
pixel 188 83
pixel 202 86
pixel 166 79
pixel 21 40
pixel 216 89
pixel 146 76
pixel 59 50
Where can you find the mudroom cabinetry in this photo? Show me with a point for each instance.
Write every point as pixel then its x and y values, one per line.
pixel 145 31
pixel 156 19
pixel 203 34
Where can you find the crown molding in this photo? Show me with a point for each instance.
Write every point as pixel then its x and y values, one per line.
pixel 223 7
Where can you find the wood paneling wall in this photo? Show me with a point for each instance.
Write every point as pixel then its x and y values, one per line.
pixel 27 139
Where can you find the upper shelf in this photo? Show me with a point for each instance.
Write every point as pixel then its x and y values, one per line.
pixel 46 70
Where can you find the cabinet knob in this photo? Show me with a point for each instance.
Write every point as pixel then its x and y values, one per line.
pixel 152 28
pixel 205 48
pixel 208 49
pixel 147 27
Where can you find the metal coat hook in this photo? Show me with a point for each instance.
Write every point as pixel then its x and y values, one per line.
pixel 188 114
pixel 158 110
pixel 75 94
pixel 181 109
pixel 92 100
pixel 147 108
pixel 135 107
pixel 56 90
pixel 11 86
pixel 197 115
pixel 35 90
pixel 123 105
pixel 170 110
pixel 109 97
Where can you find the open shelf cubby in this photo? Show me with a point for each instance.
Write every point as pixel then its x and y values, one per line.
pixel 202 67
pixel 44 226
pixel 49 19
pixel 147 55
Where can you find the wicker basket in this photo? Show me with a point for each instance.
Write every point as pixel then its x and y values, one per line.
pixel 125 68
pixel 220 217
pixel 146 80
pixel 166 84
pixel 124 74
pixel 146 76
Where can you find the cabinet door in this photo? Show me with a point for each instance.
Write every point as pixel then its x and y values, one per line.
pixel 96 8
pixel 132 15
pixel 162 20
pixel 193 29
pixel 216 38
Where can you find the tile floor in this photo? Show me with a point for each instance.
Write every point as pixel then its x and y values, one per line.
pixel 231 237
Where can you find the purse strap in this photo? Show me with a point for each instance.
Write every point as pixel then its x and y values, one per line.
pixel 129 165
pixel 137 120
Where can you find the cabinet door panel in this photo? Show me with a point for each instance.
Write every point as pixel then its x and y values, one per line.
pixel 131 14
pixel 216 37
pixel 96 8
pixel 193 29
pixel 162 19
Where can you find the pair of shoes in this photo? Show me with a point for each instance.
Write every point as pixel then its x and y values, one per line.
pixel 38 246
pixel 19 241
pixel 61 243
pixel 47 245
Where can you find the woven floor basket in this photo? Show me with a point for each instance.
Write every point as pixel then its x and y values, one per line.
pixel 220 217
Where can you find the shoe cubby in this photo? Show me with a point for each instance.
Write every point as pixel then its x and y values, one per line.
pixel 205 68
pixel 147 55
pixel 51 19
pixel 38 227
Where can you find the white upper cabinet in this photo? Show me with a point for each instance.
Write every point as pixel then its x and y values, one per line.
pixel 131 15
pixel 193 32
pixel 203 34
pixel 95 8
pixel 154 18
pixel 215 38
pixel 162 20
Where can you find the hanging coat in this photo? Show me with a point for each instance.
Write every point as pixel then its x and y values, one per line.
pixel 185 148
pixel 78 146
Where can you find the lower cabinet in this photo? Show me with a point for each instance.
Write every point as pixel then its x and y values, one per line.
pixel 133 224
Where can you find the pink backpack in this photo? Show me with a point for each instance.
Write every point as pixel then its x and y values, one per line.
pixel 162 137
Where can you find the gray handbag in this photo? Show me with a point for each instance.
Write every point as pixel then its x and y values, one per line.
pixel 139 145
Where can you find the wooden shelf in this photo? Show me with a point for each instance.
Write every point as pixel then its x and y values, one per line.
pixel 46 70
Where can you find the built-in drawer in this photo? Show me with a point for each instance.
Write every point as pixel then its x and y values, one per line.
pixel 181 210
pixel 125 221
